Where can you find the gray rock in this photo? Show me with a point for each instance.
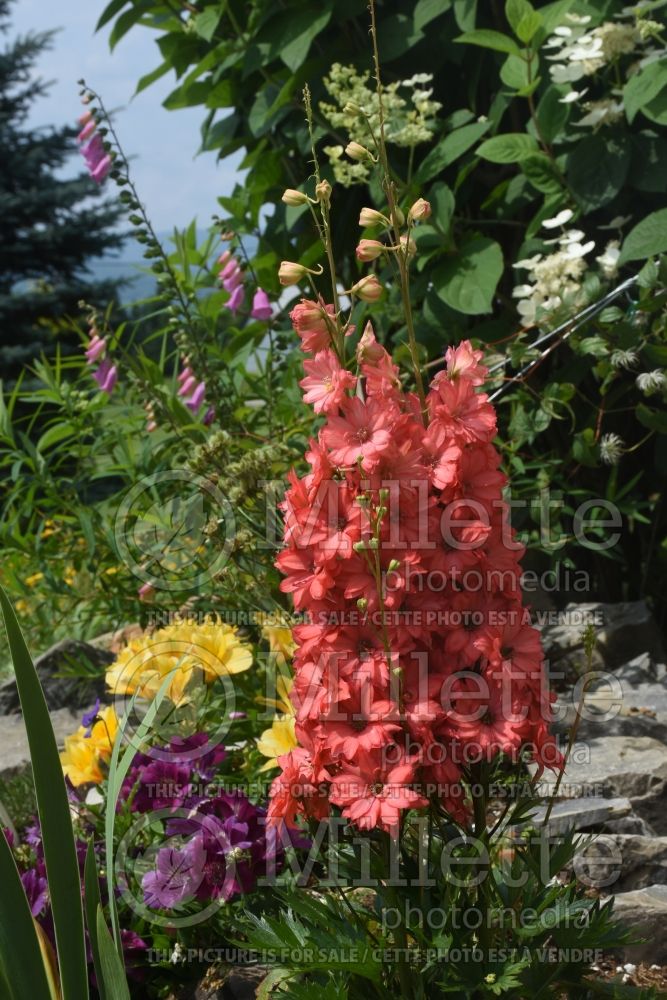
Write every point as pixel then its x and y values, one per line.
pixel 624 631
pixel 652 807
pixel 64 691
pixel 628 824
pixel 644 912
pixel 14 751
pixel 621 862
pixel 581 814
pixel 630 703
pixel 617 765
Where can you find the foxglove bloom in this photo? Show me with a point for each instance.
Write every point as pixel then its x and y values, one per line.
pixel 261 307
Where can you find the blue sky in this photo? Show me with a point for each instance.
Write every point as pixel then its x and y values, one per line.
pixel 174 183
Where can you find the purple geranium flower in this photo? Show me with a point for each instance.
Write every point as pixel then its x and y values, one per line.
pixel 177 875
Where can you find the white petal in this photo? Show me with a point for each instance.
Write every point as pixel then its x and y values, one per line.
pixel 574 95
pixel 558 220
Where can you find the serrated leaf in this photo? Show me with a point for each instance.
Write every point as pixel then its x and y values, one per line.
pixel 465 14
pixel 468 281
pixel 642 87
pixel 206 23
pixel 655 420
pixel 512 147
pixel 648 238
pixel 488 39
pixel 597 169
pixel 450 149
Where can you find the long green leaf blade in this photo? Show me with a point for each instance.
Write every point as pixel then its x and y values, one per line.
pixel 92 902
pixel 20 954
pixel 62 867
pixel 113 971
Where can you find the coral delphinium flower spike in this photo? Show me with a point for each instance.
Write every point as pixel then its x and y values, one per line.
pixel 416 658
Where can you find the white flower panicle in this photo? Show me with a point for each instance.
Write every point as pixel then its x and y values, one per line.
pixel 409 109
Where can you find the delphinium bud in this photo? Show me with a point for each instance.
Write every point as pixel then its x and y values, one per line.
pixel 419 211
pixel 371 217
pixel 368 289
pixel 369 250
pixel 293 197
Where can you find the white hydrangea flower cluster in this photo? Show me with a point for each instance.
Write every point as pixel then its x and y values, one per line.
pixel 577 52
pixel 555 279
pixel 409 108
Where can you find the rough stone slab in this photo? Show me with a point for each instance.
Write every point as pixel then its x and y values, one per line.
pixel 644 912
pixel 615 765
pixel 624 631
pixel 62 692
pixel 581 814
pixel 619 862
pixel 14 752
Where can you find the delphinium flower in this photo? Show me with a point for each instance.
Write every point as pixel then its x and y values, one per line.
pixel 416 658
pixel 92 147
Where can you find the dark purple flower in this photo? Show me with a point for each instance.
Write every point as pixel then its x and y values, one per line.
pixel 36 890
pixel 157 784
pixel 88 718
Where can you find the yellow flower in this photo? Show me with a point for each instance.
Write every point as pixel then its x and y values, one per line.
pixel 280 738
pixel 69 575
pixel 83 755
pixel 111 570
pixel 31 581
pixel 21 606
pixel 279 638
pixel 211 650
pixel 48 529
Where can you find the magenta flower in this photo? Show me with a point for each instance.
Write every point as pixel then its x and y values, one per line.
pixel 197 397
pixel 235 300
pixel 188 385
pixel 96 347
pixel 97 159
pixel 209 416
pixel 261 307
pixel 106 376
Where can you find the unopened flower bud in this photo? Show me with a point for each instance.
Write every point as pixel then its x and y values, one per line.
pixel 351 108
pixel 394 565
pixel 358 152
pixel 359 546
pixel 293 197
pixel 323 192
pixel 369 250
pixel 368 289
pixel 362 603
pixel 290 273
pixel 383 494
pixel 420 210
pixel 371 217
pixel 408 245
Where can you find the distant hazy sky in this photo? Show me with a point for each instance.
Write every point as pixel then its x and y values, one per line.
pixel 174 184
